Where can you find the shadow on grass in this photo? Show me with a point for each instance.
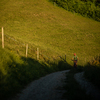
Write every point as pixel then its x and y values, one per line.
pixel 21 71
pixel 91 73
pixel 16 72
pixel 74 90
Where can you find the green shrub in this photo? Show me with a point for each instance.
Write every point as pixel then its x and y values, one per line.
pixel 97 14
pixel 87 8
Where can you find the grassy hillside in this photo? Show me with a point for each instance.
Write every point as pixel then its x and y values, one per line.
pixel 50 28
pixel 16 72
pixel 41 24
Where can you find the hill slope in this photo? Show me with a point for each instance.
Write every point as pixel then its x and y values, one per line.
pixel 50 28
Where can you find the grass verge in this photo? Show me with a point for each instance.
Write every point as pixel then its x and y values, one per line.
pixel 74 91
pixel 92 71
pixel 17 71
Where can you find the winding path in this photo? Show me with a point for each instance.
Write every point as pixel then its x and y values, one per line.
pixel 88 86
pixel 45 88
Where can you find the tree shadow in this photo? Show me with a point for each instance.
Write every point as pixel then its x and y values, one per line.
pixel 20 74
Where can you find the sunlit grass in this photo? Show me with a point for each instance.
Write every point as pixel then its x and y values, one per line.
pixel 51 28
pixel 55 31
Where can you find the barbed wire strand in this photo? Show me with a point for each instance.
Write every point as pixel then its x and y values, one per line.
pixel 41 53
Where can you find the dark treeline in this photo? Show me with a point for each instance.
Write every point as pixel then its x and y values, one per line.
pixel 96 2
pixel 88 8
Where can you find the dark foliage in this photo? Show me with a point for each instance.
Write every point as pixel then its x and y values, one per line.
pixel 89 8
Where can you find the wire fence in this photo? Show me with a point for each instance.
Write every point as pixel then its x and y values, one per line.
pixel 29 50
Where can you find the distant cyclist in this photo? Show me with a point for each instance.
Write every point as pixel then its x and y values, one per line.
pixel 75 59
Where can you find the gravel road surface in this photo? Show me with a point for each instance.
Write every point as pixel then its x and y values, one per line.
pixel 88 86
pixel 45 88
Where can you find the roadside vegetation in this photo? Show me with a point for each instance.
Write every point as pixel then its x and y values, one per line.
pixel 91 74
pixel 73 88
pixel 17 71
pixel 92 71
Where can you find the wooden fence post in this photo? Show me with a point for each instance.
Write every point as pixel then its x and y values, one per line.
pixel 2 38
pixel 98 57
pixel 85 60
pixel 26 50
pixel 65 58
pixel 37 53
pixel 54 3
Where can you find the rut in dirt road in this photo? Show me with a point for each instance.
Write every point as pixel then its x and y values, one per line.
pixel 88 86
pixel 45 88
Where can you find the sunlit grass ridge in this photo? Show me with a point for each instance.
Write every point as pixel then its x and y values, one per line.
pixel 51 28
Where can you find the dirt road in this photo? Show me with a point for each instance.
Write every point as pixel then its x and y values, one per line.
pixel 45 88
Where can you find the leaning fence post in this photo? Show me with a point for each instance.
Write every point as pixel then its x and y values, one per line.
pixel 26 49
pixel 98 57
pixel 37 53
pixel 85 60
pixel 54 3
pixel 65 58
pixel 2 37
